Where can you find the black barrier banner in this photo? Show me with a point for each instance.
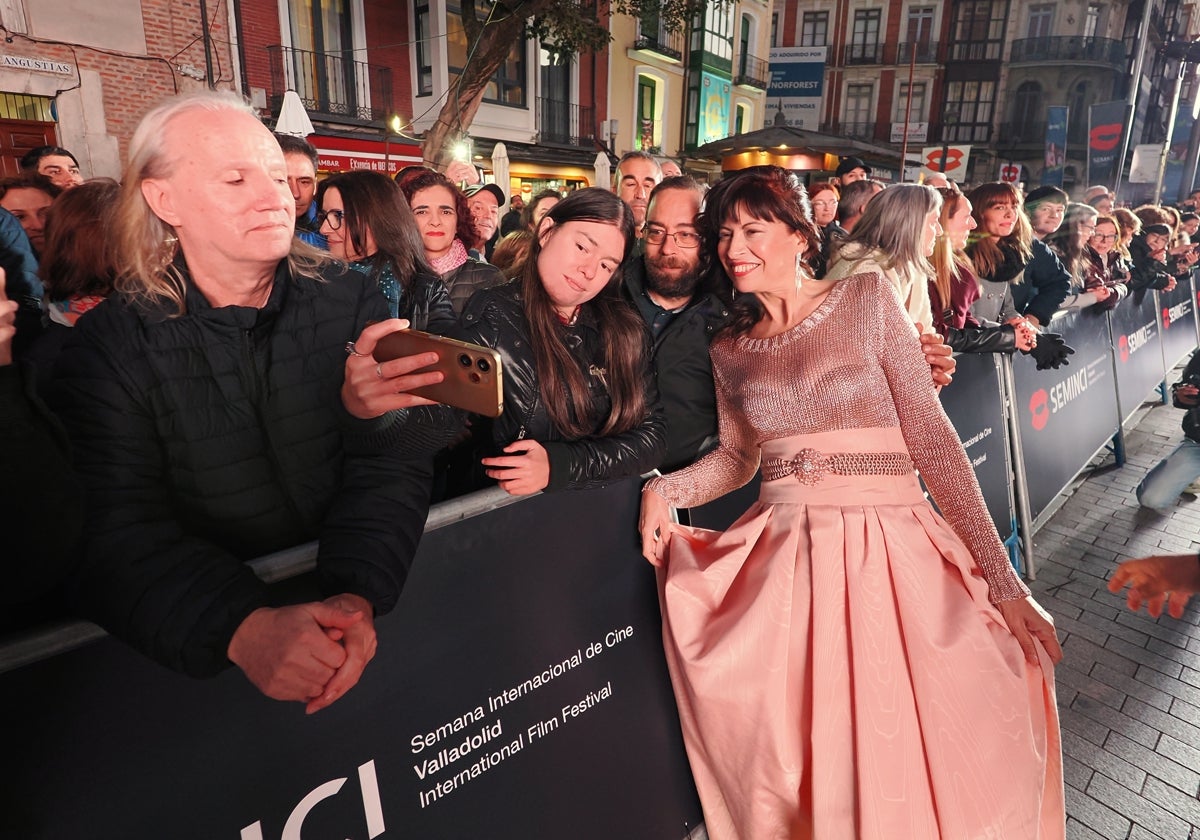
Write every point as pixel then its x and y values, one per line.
pixel 519 691
pixel 1138 350
pixel 974 403
pixel 1177 318
pixel 1065 416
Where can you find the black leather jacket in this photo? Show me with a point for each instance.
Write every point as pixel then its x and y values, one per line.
pixel 495 318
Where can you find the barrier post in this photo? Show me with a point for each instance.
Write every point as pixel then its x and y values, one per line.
pixel 1024 520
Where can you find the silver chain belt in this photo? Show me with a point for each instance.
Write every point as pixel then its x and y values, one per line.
pixel 810 466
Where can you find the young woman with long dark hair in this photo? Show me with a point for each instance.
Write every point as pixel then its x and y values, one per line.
pixel 366 222
pixel 580 401
pixel 846 663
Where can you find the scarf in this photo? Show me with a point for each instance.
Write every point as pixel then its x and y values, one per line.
pixel 67 312
pixel 456 256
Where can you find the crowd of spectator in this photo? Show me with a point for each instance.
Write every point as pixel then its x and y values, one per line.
pixel 189 355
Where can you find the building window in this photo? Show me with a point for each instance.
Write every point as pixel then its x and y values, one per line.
pixel 1079 102
pixel 864 39
pixel 508 85
pixel 1092 22
pixel 814 29
pixel 775 29
pixel 978 30
pixel 1027 112
pixel 919 43
pixel 968 111
pixel 742 119
pixel 917 112
pixel 321 66
pixel 1041 21
pixel 858 109
pixel 744 41
pixel 648 135
pixel 424 39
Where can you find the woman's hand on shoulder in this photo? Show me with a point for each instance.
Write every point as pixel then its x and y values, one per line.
pixel 655 526
pixel 524 469
pixel 939 355
pixel 1027 620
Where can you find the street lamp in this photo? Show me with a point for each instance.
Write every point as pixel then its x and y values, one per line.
pixel 1187 52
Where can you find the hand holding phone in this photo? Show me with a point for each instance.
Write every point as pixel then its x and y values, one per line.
pixel 470 375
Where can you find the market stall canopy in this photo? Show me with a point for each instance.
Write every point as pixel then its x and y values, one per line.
pixel 293 119
pixel 794 148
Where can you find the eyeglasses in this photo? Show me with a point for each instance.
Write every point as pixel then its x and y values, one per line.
pixel 825 203
pixel 1105 237
pixel 334 217
pixel 683 238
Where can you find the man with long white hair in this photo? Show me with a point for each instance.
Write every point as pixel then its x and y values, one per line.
pixel 223 405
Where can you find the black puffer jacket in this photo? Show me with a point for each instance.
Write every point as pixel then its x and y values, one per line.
pixel 685 380
pixel 468 279
pixel 496 318
pixel 216 436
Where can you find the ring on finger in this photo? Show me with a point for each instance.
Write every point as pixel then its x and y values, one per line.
pixel 352 349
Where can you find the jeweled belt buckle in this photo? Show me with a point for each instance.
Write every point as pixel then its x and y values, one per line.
pixel 809 466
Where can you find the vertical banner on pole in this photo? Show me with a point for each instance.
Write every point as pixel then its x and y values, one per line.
pixel 1056 146
pixel 1106 127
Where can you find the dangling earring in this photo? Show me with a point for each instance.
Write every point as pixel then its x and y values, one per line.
pixel 801 271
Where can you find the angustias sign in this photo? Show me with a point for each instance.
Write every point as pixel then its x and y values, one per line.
pixel 345 154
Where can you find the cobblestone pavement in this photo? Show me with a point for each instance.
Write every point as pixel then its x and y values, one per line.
pixel 1129 686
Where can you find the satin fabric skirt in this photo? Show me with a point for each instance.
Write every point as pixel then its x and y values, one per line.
pixel 841 674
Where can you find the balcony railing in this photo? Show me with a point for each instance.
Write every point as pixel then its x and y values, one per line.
pixel 654 38
pixel 752 72
pixel 331 86
pixel 564 123
pixel 974 51
pixel 1069 48
pixel 921 52
pixel 863 53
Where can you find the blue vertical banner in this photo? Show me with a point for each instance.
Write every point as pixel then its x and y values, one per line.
pixel 1056 146
pixel 1106 127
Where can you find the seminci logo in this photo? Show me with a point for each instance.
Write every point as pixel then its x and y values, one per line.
pixel 1039 409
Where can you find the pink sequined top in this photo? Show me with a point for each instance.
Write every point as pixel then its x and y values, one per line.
pixel 854 363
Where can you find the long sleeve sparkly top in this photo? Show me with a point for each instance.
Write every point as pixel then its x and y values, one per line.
pixel 854 363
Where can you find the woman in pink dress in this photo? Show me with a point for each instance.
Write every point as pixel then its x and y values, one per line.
pixel 846 663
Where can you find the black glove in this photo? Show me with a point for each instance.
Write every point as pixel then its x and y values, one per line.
pixel 1050 351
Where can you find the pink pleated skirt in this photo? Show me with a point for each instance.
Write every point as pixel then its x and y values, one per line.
pixel 841 674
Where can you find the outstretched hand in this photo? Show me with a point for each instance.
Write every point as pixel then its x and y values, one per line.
pixel 1027 621
pixel 1168 581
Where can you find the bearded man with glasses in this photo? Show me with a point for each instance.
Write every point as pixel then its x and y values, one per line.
pixel 683 306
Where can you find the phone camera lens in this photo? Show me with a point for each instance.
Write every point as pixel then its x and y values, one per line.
pixel 464 360
pixel 483 364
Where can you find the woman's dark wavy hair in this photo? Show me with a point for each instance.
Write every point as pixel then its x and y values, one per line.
pixel 465 228
pixel 769 193
pixel 561 384
pixel 986 251
pixel 373 201
pixel 79 256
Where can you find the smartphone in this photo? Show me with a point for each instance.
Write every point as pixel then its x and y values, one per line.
pixel 472 374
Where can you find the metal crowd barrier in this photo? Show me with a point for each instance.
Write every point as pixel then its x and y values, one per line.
pixel 1057 421
pixel 519 691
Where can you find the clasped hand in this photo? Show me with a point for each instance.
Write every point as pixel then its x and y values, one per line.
pixel 312 653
